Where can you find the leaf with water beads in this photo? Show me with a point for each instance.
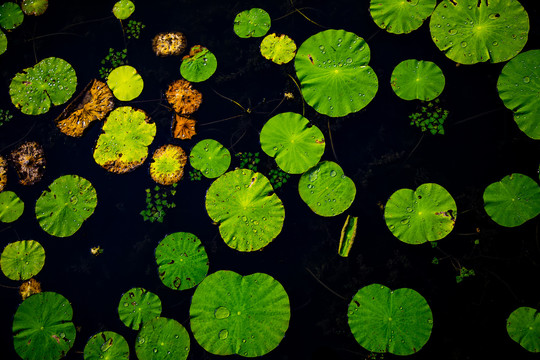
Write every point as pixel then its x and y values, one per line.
pixel 210 157
pixel 400 17
pixel 252 23
pixel 123 9
pixel 279 49
pixel 11 15
pixel 523 326
pixel 3 42
pixel 199 65
pixel 417 79
pixel 22 260
pixel 161 339
pixel 34 7
pixel 106 345
pixel 11 206
pixel 167 165
pixel 137 306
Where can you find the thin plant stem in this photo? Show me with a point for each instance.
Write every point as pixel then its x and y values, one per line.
pixel 477 116
pixel 222 120
pixel 331 141
pixel 231 100
pixel 324 285
pixel 415 147
pixel 21 139
pixel 300 92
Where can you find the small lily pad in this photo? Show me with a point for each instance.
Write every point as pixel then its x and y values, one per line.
pixel 162 338
pixel 513 200
pixel 167 165
pixel 400 17
pixel 280 49
pixel 523 326
pixel 210 157
pixel 137 306
pixel 11 15
pixel 199 65
pixel 293 142
pixel 106 345
pixel 3 42
pixel 125 83
pixel 244 315
pixel 34 7
pixel 11 206
pixel 123 9
pixel 252 23
pixel 326 190
pixel 22 260
pixel 182 261
pixel 417 79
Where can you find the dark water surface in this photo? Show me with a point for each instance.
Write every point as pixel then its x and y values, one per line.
pixel 374 147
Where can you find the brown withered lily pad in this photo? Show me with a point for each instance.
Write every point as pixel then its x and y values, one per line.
pixel 183 97
pixel 170 43
pixel 93 103
pixel 183 127
pixel 29 287
pixel 3 173
pixel 29 161
pixel 168 164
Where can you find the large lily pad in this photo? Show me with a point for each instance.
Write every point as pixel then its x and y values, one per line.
pixel 513 200
pixel 248 212
pixel 69 201
pixel 34 7
pixel 400 16
pixel 472 31
pixel 11 206
pixel 43 327
pixel 22 260
pixel 137 306
pixel 244 315
pixel 125 83
pixel 252 23
pixel 123 145
pixel 11 15
pixel 382 320
pixel 123 9
pixel 106 345
pixel 415 217
pixel 210 157
pixel 199 65
pixel 293 142
pixel 334 75
pixel 50 81
pixel 279 49
pixel 162 338
pixel 417 79
pixel 182 261
pixel 3 42
pixel 523 326
pixel 519 86
pixel 326 190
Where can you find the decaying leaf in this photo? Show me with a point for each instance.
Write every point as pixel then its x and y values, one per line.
pixel 183 97
pixel 29 287
pixel 29 161
pixel 183 127
pixel 168 164
pixel 93 103
pixel 3 173
pixel 170 43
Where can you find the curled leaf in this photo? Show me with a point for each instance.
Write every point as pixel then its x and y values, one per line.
pixel 183 97
pixel 3 173
pixel 29 287
pixel 29 161
pixel 183 127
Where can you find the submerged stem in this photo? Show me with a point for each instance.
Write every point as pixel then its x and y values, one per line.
pixel 324 285
pixel 331 141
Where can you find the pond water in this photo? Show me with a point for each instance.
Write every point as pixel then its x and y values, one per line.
pixel 376 147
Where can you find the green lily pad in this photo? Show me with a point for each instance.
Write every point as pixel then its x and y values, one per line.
pixel 519 86
pixel 513 200
pixel 137 306
pixel 334 75
pixel 50 81
pixel 472 31
pixel 3 42
pixel 125 83
pixel 182 261
pixel 210 157
pixel 280 49
pixel 244 315
pixel 199 65
pixel 417 79
pixel 400 16
pixel 415 217
pixel 293 142
pixel 162 338
pixel 11 206
pixel 382 320
pixel 22 260
pixel 326 190
pixel 34 7
pixel 252 23
pixel 348 234
pixel 11 15
pixel 248 212
pixel 523 326
pixel 123 145
pixel 69 201
pixel 106 345
pixel 43 327
pixel 123 9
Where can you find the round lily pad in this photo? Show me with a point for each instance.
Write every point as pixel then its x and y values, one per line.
pixel 3 42
pixel 43 327
pixel 11 15
pixel 34 7
pixel 168 164
pixel 334 75
pixel 125 83
pixel 106 345
pixel 162 338
pixel 182 261
pixel 210 157
pixel 244 315
pixel 199 65
pixel 293 142
pixel 248 212
pixel 50 81
pixel 11 206
pixel 280 49
pixel 326 190
pixel 69 201
pixel 252 23
pixel 123 145
pixel 415 217
pixel 417 79
pixel 513 200
pixel 22 260
pixel 519 86
pixel 382 320
pixel 472 31
pixel 523 326
pixel 400 17
pixel 123 9
pixel 137 306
